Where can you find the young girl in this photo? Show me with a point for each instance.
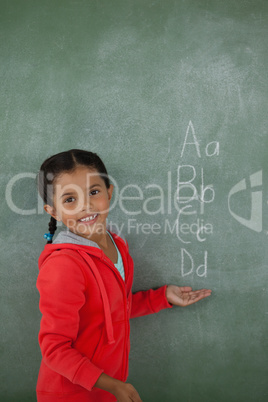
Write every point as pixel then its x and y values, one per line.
pixel 85 282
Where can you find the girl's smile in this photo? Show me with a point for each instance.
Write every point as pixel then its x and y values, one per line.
pixel 89 219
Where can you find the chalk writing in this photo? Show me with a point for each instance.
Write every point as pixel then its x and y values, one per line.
pixel 211 149
pixel 193 193
pixel 201 270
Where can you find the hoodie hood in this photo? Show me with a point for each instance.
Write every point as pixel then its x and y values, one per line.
pixel 66 236
pixel 67 239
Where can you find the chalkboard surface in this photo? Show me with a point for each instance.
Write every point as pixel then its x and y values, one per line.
pixel 172 94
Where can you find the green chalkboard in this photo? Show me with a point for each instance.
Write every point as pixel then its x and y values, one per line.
pixel 172 94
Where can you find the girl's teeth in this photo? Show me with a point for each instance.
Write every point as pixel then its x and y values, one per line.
pixel 89 218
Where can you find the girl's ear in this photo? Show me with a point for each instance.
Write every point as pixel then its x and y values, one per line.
pixel 51 211
pixel 110 192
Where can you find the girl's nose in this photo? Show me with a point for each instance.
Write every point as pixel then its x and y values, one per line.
pixel 87 204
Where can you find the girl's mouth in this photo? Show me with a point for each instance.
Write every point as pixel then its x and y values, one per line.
pixel 89 220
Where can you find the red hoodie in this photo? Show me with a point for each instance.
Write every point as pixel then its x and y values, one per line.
pixel 86 307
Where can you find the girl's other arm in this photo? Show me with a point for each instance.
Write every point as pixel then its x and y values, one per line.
pixel 122 391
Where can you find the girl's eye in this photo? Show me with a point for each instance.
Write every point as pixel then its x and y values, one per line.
pixel 94 192
pixel 70 199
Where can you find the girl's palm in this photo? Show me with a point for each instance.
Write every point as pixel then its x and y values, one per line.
pixel 185 296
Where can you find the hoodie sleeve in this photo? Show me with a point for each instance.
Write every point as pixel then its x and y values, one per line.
pixel 62 294
pixel 149 301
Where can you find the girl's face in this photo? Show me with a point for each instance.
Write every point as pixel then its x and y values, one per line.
pixel 81 202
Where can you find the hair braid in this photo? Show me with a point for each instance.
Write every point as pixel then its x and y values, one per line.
pixel 52 227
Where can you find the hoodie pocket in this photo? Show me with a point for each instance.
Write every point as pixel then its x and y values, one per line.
pixel 92 354
pixel 113 358
pixel 100 347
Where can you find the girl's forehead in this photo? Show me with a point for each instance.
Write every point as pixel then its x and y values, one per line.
pixel 80 176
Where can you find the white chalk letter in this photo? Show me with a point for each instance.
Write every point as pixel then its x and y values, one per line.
pixel 183 273
pixel 216 149
pixel 191 127
pixel 203 266
pixel 186 184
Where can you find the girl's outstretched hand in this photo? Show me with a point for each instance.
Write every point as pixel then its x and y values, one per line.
pixel 184 296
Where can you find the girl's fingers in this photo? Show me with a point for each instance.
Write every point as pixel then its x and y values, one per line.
pixel 199 294
pixel 189 289
pixel 202 291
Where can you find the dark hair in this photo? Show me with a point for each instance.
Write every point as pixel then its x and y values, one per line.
pixel 63 162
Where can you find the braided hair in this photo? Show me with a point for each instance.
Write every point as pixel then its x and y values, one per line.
pixel 52 227
pixel 60 163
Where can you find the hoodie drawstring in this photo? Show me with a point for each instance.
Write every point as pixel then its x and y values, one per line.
pixel 106 305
